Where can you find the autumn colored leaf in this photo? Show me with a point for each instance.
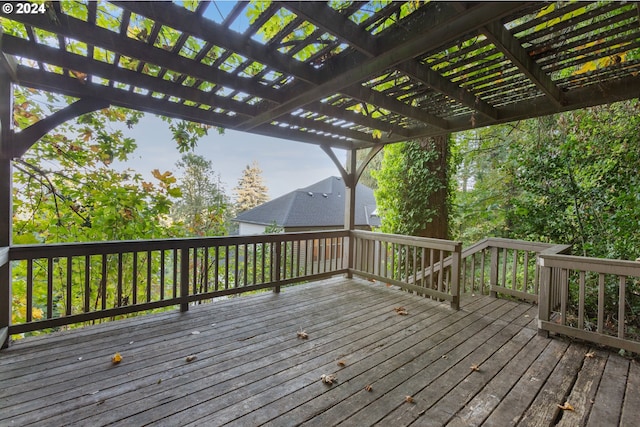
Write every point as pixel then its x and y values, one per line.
pixel 409 399
pixel 328 379
pixel 368 387
pixel 191 358
pixel 303 335
pixel 566 407
pixel 117 358
pixel 342 363
pixel 475 368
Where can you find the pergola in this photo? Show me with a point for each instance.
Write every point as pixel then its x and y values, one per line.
pixel 341 75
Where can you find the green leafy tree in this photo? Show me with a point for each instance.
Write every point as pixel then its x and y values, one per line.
pixel 203 208
pixel 251 190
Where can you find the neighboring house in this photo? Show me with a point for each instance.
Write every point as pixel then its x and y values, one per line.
pixel 317 207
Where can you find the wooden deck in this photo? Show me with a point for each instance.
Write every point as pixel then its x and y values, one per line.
pixel 251 368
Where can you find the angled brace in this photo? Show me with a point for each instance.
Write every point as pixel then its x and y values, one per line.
pixel 25 139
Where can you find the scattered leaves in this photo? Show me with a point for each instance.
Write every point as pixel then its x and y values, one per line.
pixel 475 368
pixel 191 358
pixel 342 363
pixel 590 354
pixel 566 407
pixel 401 311
pixel 328 379
pixel 117 358
pixel 368 387
pixel 409 399
pixel 303 335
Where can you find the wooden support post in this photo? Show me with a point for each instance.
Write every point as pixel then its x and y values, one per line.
pixel 6 206
pixel 544 309
pixel 184 277
pixel 349 205
pixel 493 274
pixel 456 262
pixel 278 267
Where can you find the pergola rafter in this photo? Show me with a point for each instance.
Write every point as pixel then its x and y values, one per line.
pixel 350 75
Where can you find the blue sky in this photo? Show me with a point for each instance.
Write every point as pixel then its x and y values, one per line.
pixel 286 165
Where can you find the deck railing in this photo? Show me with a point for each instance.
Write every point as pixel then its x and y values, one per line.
pixel 570 285
pixel 505 266
pixel 5 295
pixel 60 284
pixel 401 260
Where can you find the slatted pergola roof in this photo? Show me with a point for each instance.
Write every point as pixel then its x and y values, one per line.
pixel 339 74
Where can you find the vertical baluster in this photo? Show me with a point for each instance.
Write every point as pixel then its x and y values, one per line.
pixel 216 279
pixel 226 267
pixel 245 263
pixel 432 260
pixel 600 326
pixel 29 290
pixel 473 273
pixel 195 271
pixel 621 305
pixel 504 267
pixel 482 260
pixel 175 272
pixel 119 289
pixel 536 279
pixel 134 289
pixel 49 288
pixel 236 266
pixel 514 271
pixel 441 272
pixel 564 294
pixel 149 276
pixel 581 299
pixel 103 283
pixel 255 263
pixel 205 268
pixel 525 266
pixel 423 260
pixel 162 280
pixel 69 302
pixel 414 265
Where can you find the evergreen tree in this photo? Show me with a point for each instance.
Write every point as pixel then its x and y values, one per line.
pixel 251 190
pixel 203 206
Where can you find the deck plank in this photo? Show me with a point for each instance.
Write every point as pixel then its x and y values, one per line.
pixel 583 393
pixel 609 398
pixel 544 409
pixel 252 369
pixel 631 407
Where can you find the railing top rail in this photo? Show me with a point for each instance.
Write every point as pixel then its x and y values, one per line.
pixel 524 245
pixel 425 242
pixel 20 252
pixel 597 265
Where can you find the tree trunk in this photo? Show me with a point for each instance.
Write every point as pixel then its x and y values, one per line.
pixel 438 227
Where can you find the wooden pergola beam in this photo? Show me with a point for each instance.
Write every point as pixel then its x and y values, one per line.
pixel 126 46
pixel 337 24
pixel 512 49
pixel 441 30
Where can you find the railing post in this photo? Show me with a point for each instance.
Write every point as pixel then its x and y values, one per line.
pixel 278 266
pixel 544 309
pixel 184 277
pixel 456 262
pixel 493 274
pixel 6 198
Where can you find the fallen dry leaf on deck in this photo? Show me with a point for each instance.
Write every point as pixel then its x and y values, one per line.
pixel 475 368
pixel 368 387
pixel 409 399
pixel 342 363
pixel 566 407
pixel 191 358
pixel 328 379
pixel 401 311
pixel 303 335
pixel 117 358
pixel 590 355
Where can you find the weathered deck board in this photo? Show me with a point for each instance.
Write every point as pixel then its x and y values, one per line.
pixel 252 369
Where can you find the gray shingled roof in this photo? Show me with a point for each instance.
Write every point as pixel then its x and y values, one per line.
pixel 318 205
